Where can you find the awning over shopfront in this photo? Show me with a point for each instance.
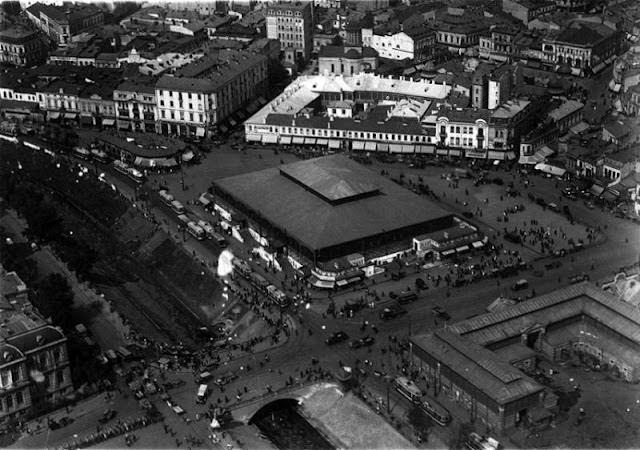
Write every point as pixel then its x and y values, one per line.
pixel 475 154
pixel 322 284
pixel 200 132
pixel 478 244
pixel 323 141
pixel 448 252
pixel 408 148
pixel 442 151
pixel 553 170
pixel 383 147
pixel 334 143
pixel 86 119
pixel 429 149
pixel 53 115
pixel 187 156
pixel 144 162
pixel 370 146
pixel 596 190
pixel 108 122
pixel 166 162
pixel 609 195
pixel 495 155
pixel 579 127
pixel 357 145
pixel 70 115
pixel 510 156
pixel 253 137
pixel 298 140
pixel 270 138
pixel 462 249
pixel 310 141
pixel 395 148
pixel 285 140
pixel 454 152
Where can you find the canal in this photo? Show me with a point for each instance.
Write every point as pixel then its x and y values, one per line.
pixel 283 425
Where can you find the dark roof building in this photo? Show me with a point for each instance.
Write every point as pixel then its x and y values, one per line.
pixel 329 207
pixel 472 359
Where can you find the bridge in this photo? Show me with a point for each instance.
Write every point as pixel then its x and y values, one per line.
pixel 245 410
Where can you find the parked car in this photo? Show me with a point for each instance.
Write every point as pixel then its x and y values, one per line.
pixel 362 342
pixel 440 313
pixel 578 278
pixel 553 265
pixel 336 338
pixel 392 312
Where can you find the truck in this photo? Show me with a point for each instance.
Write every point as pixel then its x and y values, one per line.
pixel 407 297
pixel 166 198
pixel 206 226
pixel 195 231
pixel 177 207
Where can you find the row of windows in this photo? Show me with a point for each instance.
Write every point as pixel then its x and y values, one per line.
pixel 347 134
pixel 189 95
pixel 12 401
pixel 458 129
pixel 181 116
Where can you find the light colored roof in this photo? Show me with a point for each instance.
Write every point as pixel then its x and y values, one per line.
pixel 568 107
pixel 509 109
pixel 305 89
pixel 574 300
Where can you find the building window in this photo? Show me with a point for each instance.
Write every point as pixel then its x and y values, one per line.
pixel 19 398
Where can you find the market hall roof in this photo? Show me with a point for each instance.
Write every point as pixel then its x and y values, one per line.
pixel 328 201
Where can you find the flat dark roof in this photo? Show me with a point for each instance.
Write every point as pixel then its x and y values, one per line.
pixel 303 207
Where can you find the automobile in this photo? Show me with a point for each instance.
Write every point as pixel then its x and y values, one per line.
pixel 519 285
pixel 392 313
pixel 440 313
pixel 336 338
pixel 553 265
pixel 398 275
pixel 578 278
pixel 420 283
pixel 553 207
pixel 362 342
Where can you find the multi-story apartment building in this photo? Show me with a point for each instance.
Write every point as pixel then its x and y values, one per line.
pixel 527 10
pixel 61 24
pixel 582 46
pixel 202 94
pixel 21 47
pixel 459 32
pixel 621 164
pixel 491 85
pixel 466 128
pixel 292 24
pixel 34 364
pixel 85 95
pixel 135 101
pixel 566 115
pixel 415 43
pixel 339 60
pixel 499 44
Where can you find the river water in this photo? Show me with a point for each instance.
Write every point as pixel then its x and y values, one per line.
pixel 283 425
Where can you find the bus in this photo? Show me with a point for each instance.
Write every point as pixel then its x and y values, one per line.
pixel 220 240
pixel 206 226
pixel 408 389
pixel 436 411
pixel 82 153
pixel 195 231
pixel 407 297
pixel 177 207
pixel 99 155
pixel 259 281
pixel 184 218
pixel 121 167
pixel 241 266
pixel 135 175
pixel 280 298
pixel 166 197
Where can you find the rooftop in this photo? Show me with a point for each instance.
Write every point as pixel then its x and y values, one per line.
pixel 568 107
pixel 510 109
pixel 481 367
pixel 582 34
pixel 304 89
pixel 328 201
pixel 145 145
pixel 338 51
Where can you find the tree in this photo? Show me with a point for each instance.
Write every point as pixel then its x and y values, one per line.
pixel 421 423
pixel 54 298
pixel 460 435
